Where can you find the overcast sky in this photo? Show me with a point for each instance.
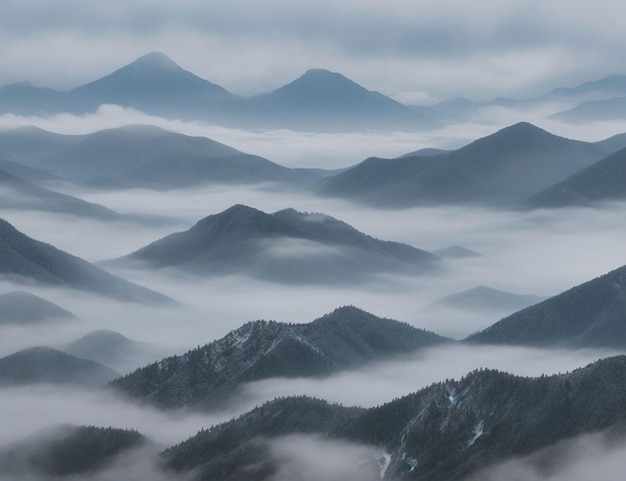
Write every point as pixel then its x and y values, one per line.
pixel 415 51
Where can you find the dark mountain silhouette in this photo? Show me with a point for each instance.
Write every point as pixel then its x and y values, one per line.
pixel 513 163
pixel 66 450
pixel 588 315
pixel 114 350
pixel 16 193
pixel 148 156
pixel 46 365
pixel 601 182
pixel 323 100
pixel 235 450
pixel 27 260
pixel 445 432
pixel 209 375
pixel 21 307
pixel 286 246
pixel 483 297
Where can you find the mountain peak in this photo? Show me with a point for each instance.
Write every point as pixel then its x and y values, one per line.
pixel 156 60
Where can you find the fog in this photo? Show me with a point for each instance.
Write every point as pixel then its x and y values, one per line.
pixel 397 378
pixel 328 150
pixel 593 456
pixel 541 253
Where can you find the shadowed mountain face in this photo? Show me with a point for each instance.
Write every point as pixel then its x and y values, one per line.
pixel 446 431
pixel 207 376
pixel 66 450
pixel 603 181
pixel 46 365
pixel 504 167
pixel 148 156
pixel 589 315
pixel 20 307
pixel 286 246
pixel 19 194
pixel 27 260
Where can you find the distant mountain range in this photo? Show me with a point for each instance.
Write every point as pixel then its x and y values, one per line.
pixel 286 246
pixel 483 297
pixel 37 365
pixel 446 431
pixel 24 308
pixel 19 194
pixel 113 350
pixel 318 100
pixel 500 169
pixel 142 156
pixel 590 315
pixel 27 260
pixel 208 376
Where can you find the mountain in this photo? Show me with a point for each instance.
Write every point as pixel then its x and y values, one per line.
pixel 603 181
pixel 114 350
pixel 154 84
pixel 29 145
pixel 595 111
pixel 27 260
pixel 21 307
pixel 207 376
pixel 483 297
pixel 46 365
pixel 605 88
pixel 66 450
pixel 328 101
pixel 445 432
pixel 286 246
pixel 19 194
pixel 508 165
pixel 590 315
pixel 318 100
pixel 230 451
pixel 26 99
pixel 613 144
pixel 148 156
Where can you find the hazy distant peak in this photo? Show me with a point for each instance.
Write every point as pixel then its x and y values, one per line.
pixel 156 60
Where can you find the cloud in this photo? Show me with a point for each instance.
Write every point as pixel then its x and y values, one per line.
pixel 310 458
pixel 397 378
pixel 510 48
pixel 592 456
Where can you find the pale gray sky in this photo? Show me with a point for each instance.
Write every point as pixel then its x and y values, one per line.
pixel 415 51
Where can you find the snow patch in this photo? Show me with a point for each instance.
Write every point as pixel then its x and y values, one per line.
pixel 383 463
pixel 478 432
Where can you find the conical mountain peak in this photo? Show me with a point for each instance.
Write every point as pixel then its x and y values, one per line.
pixel 156 60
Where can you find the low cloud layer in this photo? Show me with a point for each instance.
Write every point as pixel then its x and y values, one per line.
pixel 398 378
